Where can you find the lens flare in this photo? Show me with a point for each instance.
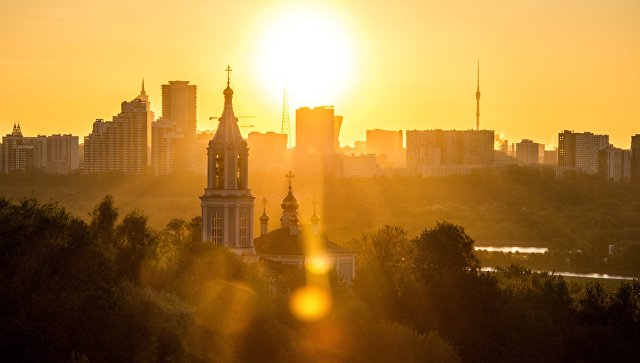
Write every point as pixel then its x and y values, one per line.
pixel 310 303
pixel 319 265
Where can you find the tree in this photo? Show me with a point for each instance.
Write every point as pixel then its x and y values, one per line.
pixel 446 248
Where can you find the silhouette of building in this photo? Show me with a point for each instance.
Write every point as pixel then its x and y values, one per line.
pixel 387 146
pixel 580 151
pixel 296 244
pixel 18 152
pixel 611 163
pixel 202 143
pixel 227 203
pixel 317 140
pixel 551 157
pixel 529 152
pixel 360 166
pixel 169 151
pixel 268 152
pixel 55 154
pixel 120 145
pixel 635 158
pixel 175 132
pixel 437 148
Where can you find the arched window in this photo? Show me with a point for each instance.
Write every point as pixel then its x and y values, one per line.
pixel 219 171
pixel 217 229
pixel 244 238
pixel 240 173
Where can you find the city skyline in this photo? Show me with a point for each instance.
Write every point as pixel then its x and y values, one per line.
pixel 560 66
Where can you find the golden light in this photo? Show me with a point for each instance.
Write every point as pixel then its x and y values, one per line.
pixel 318 264
pixel 310 303
pixel 309 50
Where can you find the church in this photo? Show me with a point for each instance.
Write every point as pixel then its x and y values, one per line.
pixel 228 208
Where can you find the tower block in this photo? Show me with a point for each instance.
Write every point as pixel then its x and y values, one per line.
pixel 227 203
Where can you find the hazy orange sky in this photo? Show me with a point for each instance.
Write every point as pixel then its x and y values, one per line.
pixel 546 65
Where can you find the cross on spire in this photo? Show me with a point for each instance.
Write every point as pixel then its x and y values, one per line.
pixel 314 202
pixel 290 176
pixel 264 203
pixel 228 70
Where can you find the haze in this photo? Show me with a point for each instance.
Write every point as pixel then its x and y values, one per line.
pixel 545 65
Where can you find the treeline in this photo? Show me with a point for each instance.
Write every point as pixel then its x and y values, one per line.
pixel 114 289
pixel 517 205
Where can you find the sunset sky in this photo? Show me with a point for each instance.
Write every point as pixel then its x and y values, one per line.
pixel 546 65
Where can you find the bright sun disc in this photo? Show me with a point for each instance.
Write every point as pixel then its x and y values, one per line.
pixel 309 51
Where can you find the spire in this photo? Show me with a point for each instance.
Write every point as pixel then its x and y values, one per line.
pixel 228 131
pixel 285 128
pixel 478 99
pixel 143 94
pixel 264 217
pixel 314 217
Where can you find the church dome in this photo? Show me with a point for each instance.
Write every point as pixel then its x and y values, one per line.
pixel 314 218
pixel 264 218
pixel 228 92
pixel 290 203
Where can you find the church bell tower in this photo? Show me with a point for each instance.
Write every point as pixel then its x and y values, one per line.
pixel 227 203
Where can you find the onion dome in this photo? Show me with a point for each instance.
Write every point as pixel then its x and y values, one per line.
pixel 314 218
pixel 264 218
pixel 290 203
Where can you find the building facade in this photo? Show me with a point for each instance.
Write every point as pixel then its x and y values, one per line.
pixel 317 140
pixel 529 152
pixel 55 154
pixel 175 132
pixel 580 151
pixel 120 145
pixel 227 203
pixel 449 147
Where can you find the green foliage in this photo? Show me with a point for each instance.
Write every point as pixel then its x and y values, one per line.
pixel 117 290
pixel 444 249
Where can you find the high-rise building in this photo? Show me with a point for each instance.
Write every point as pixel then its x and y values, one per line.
pixel 387 146
pixel 18 152
pixel 611 163
pixel 529 152
pixel 635 158
pixel 175 132
pixel 168 148
pixel 227 203
pixel 360 166
pixel 179 104
pixel 55 154
pixel 317 130
pixel 449 147
pixel 581 150
pixel 551 157
pixel 120 145
pixel 268 152
pixel 317 140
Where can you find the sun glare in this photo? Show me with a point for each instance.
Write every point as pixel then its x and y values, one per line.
pixel 309 51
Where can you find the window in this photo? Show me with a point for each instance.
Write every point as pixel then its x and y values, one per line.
pixel 217 229
pixel 240 173
pixel 244 240
pixel 219 171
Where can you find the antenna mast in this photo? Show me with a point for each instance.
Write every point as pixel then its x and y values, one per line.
pixel 286 124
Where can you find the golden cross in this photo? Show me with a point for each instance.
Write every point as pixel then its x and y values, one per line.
pixel 228 74
pixel 264 203
pixel 290 176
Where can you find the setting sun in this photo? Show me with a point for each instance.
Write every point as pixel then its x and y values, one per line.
pixel 309 50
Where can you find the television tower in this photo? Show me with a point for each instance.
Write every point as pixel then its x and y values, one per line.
pixel 286 124
pixel 478 99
